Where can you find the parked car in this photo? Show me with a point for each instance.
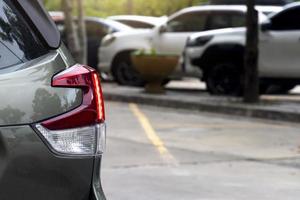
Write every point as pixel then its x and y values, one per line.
pixel 168 38
pixel 96 28
pixel 52 124
pixel 137 21
pixel 219 54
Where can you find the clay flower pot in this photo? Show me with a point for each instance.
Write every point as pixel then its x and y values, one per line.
pixel 154 69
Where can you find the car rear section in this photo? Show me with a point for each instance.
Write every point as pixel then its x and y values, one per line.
pixel 52 120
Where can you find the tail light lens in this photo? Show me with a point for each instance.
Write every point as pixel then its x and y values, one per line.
pixel 80 132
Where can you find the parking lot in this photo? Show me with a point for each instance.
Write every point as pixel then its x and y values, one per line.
pixel 158 153
pixel 102 99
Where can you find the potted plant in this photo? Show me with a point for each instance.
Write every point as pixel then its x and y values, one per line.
pixel 154 68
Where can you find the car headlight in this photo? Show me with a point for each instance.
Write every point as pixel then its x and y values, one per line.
pixel 109 39
pixel 200 41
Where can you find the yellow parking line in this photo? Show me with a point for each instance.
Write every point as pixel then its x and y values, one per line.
pixel 151 134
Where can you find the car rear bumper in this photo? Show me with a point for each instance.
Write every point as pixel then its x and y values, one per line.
pixel 29 170
pixel 97 191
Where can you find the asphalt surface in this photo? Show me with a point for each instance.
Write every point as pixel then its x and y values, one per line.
pixel 167 154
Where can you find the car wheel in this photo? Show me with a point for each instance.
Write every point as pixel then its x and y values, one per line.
pixel 224 79
pixel 125 74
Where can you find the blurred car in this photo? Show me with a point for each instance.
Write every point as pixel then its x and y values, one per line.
pixel 138 21
pixel 52 128
pixel 96 28
pixel 219 54
pixel 168 38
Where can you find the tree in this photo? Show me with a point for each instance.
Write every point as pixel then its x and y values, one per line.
pixel 82 33
pixel 70 28
pixel 129 7
pixel 75 30
pixel 251 89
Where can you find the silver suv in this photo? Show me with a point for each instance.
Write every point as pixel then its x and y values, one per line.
pixel 52 130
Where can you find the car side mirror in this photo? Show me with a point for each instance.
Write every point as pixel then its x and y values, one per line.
pixel 162 29
pixel 266 26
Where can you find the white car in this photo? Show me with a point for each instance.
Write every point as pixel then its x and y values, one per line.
pixel 138 21
pixel 167 38
pixel 219 54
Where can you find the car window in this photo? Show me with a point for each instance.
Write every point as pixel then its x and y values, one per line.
pixel 238 20
pixel 7 57
pixel 18 43
pixel 188 22
pixel 220 20
pixel 286 20
pixel 136 24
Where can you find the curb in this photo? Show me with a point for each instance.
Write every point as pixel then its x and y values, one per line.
pixel 238 109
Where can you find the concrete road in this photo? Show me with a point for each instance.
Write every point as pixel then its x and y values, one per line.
pixel 165 154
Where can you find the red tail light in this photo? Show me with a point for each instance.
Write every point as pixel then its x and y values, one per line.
pixel 91 111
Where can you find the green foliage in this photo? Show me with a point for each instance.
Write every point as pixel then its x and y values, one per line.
pixel 52 4
pixel 103 8
pixel 162 7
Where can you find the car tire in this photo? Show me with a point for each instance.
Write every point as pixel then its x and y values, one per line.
pixel 224 79
pixel 124 73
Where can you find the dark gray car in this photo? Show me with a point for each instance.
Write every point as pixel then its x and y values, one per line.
pixel 52 130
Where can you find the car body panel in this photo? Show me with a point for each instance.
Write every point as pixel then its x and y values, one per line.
pixel 138 39
pixel 37 100
pixel 229 36
pixel 279 54
pixel 29 170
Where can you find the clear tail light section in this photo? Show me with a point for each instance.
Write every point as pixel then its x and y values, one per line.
pixel 82 131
